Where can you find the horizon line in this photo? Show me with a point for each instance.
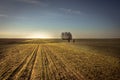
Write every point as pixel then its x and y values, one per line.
pixel 59 38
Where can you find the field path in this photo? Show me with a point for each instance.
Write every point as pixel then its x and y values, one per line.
pixel 56 67
pixel 12 62
pixel 41 64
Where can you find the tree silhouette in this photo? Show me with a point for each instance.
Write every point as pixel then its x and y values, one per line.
pixel 66 36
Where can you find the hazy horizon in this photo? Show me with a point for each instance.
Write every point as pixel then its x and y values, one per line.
pixel 49 18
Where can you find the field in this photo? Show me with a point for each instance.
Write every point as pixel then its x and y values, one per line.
pixel 54 59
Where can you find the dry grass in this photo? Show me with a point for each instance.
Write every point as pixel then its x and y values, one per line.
pixel 91 63
pixel 59 60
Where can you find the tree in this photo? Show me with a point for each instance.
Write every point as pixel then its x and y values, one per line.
pixel 66 36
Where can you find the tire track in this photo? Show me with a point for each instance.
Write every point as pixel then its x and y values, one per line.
pixel 44 75
pixel 35 75
pixel 17 71
pixel 47 63
pixel 47 72
pixel 26 75
pixel 8 70
pixel 59 72
pixel 68 73
pixel 63 59
pixel 51 66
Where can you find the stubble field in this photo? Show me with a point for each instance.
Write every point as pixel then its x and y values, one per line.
pixel 54 59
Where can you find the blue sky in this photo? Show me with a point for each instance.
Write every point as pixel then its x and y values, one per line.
pixel 48 18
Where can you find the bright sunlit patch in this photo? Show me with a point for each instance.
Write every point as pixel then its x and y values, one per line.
pixel 39 35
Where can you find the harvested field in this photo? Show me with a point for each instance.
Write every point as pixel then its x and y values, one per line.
pixel 40 59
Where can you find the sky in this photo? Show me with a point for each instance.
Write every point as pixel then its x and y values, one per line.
pixel 49 18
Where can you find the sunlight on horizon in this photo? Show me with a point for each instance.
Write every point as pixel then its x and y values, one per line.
pixel 39 35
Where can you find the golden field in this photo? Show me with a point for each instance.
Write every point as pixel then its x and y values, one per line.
pixel 54 59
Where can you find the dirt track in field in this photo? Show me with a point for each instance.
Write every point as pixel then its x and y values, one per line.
pixel 39 63
pixel 40 59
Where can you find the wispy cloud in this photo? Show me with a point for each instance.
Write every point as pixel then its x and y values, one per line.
pixel 30 1
pixel 15 17
pixel 3 15
pixel 70 11
pixel 35 2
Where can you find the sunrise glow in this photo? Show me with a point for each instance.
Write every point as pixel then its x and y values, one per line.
pixel 39 35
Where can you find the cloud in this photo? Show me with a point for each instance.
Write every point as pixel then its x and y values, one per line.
pixel 30 1
pixel 35 2
pixel 3 15
pixel 70 11
pixel 15 17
